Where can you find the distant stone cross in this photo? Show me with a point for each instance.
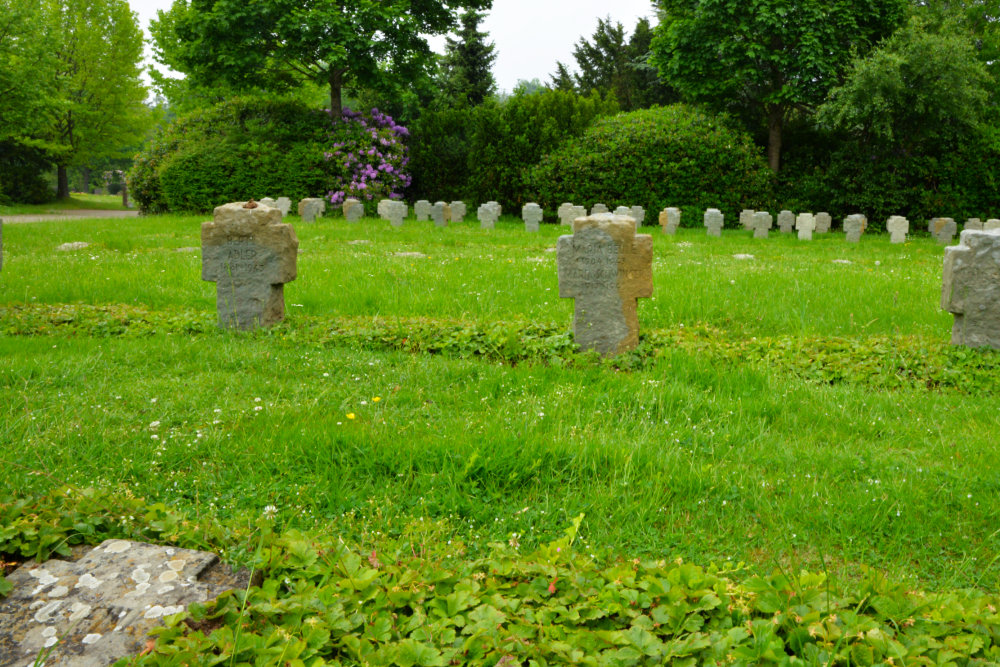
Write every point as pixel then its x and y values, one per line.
pixel 786 220
pixel 971 288
pixel 563 213
pixel 422 209
pixel 898 228
pixel 854 227
pixel 943 229
pixel 598 208
pixel 670 220
pixel 311 208
pixel 746 218
pixel 762 223
pixel 458 211
pixel 639 215
pixel 991 224
pixel 250 255
pixel 353 209
pixel 395 212
pixel 823 221
pixel 441 214
pixel 487 217
pixel 974 224
pixel 606 267
pixel 714 221
pixel 805 224
pixel 531 213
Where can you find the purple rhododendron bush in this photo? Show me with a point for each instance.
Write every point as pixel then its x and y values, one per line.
pixel 370 149
pixel 250 147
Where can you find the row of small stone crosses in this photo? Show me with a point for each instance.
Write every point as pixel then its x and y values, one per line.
pixel 759 222
pixel 604 265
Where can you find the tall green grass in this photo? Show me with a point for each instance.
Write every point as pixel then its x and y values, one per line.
pixel 689 456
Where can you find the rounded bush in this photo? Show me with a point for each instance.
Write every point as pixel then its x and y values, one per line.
pixel 655 158
pixel 250 147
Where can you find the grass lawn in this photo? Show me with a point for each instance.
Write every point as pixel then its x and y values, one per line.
pixel 789 410
pixel 76 201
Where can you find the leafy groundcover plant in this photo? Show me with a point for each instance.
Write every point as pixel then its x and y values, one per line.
pixel 413 598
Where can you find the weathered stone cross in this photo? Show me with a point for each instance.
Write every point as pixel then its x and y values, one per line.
pixel 606 267
pixel 250 255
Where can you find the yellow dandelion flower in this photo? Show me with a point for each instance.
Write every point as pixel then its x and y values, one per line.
pixel 350 415
pixel 377 399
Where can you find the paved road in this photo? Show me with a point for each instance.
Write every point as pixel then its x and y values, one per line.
pixel 81 214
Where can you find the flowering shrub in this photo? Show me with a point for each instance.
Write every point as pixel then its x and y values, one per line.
pixel 250 147
pixel 370 150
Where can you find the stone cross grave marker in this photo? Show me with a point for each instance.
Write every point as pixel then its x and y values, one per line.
pixel 383 208
pixel 267 201
pixel 605 266
pixel 670 220
pixel 970 288
pixel 823 222
pixel 974 224
pixel 422 209
pixel 250 255
pixel 714 221
pixel 805 224
pixel 531 213
pixel 762 223
pixel 624 211
pixel 786 220
pixel 854 227
pixel 283 204
pixel 101 607
pixel 898 227
pixel 441 214
pixel 563 213
pixel 311 208
pixel 599 208
pixel 943 230
pixel 497 208
pixel 639 215
pixel 991 224
pixel 746 218
pixel 397 213
pixel 353 209
pixel 458 211
pixel 487 216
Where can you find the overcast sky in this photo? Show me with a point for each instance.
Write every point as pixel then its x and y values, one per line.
pixel 530 35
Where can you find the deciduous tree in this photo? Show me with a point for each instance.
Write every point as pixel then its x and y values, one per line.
pixel 100 111
pixel 273 43
pixel 768 58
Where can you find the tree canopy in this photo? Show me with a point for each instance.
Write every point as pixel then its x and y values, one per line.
pixel 98 48
pixel 276 43
pixel 767 58
pixel 611 62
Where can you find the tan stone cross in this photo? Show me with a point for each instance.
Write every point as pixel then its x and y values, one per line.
pixel 250 255
pixel 605 266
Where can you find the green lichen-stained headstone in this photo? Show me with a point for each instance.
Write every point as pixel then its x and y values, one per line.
pixel 250 255
pixel 605 266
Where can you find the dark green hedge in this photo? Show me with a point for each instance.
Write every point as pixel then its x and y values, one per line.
pixel 672 156
pixel 242 148
pixel 486 153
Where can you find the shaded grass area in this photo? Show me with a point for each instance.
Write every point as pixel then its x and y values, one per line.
pixel 76 201
pixel 728 438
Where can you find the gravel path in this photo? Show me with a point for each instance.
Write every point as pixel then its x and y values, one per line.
pixel 81 214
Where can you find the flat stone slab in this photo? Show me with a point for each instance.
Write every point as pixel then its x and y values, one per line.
pixel 100 608
pixel 73 245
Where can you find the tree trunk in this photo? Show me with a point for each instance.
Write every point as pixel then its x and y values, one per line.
pixel 62 182
pixel 775 121
pixel 85 180
pixel 336 87
pixel 124 194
